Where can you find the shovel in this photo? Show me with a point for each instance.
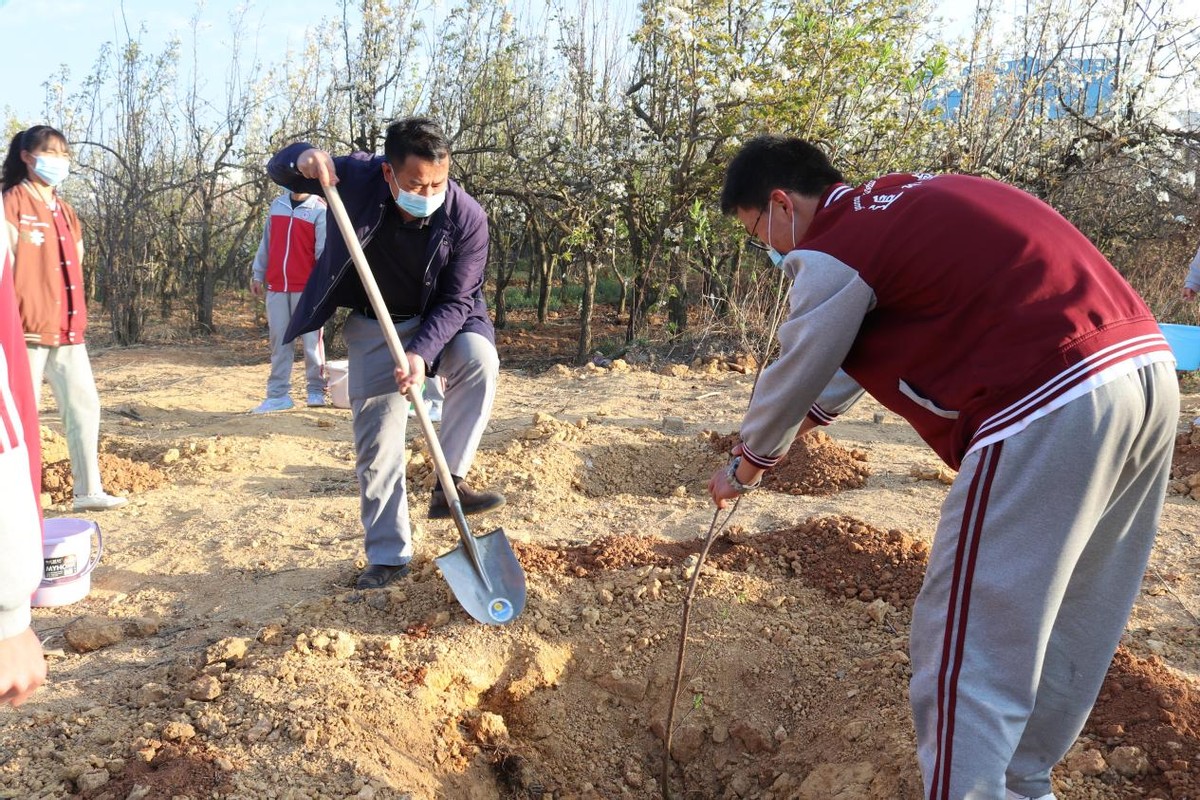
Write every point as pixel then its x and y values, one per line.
pixel 483 572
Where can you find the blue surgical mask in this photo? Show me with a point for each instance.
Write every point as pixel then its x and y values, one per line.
pixel 52 169
pixel 775 255
pixel 419 205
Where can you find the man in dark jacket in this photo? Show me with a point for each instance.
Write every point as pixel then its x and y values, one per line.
pixel 426 241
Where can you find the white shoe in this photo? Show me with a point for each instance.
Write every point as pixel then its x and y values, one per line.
pixel 432 407
pixel 1011 795
pixel 98 502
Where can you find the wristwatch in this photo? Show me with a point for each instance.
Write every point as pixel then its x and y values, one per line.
pixel 738 486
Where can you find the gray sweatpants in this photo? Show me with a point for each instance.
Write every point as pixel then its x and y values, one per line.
pixel 69 371
pixel 1038 558
pixel 470 367
pixel 280 307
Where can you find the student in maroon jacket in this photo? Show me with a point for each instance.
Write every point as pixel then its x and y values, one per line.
pixel 426 240
pixel 1023 358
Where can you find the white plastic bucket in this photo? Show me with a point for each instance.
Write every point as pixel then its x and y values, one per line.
pixel 67 561
pixel 339 386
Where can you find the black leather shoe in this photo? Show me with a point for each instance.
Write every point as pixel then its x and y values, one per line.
pixel 473 502
pixel 377 576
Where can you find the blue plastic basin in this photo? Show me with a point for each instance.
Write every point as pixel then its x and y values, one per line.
pixel 1185 341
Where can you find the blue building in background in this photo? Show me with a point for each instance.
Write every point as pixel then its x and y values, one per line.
pixel 1084 84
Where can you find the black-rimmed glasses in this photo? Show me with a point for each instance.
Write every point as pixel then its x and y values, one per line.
pixel 753 240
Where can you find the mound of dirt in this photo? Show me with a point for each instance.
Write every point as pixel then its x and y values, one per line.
pixel 118 475
pixel 54 446
pixel 1185 465
pixel 814 465
pixel 1144 707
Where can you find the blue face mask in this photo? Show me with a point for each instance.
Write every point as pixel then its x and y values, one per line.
pixel 419 205
pixel 775 255
pixel 52 169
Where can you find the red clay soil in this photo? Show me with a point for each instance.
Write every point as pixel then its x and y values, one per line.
pixel 1142 704
pixel 814 465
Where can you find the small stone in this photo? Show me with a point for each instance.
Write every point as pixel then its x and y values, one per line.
pixel 491 729
pixel 205 688
pixel 231 650
pixel 92 633
pixel 271 634
pixel 171 456
pixel 1129 761
pixel 853 731
pixel 673 424
pixel 1087 762
pixel 150 694
pixel 751 738
pixel 178 732
pixel 342 646
pixel 92 780
pixel 260 730
pixel 878 610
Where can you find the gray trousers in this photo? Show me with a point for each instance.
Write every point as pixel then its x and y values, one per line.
pixel 1037 560
pixel 471 369
pixel 280 307
pixel 69 372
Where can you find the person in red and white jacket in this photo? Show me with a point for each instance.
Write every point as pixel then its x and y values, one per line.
pixel 1023 358
pixel 292 242
pixel 22 666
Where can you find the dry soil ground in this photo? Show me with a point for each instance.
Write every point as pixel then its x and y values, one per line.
pixel 222 653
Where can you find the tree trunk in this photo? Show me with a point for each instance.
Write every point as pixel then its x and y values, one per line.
pixel 677 307
pixel 545 281
pixel 587 304
pixel 503 274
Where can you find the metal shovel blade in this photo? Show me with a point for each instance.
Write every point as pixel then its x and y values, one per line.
pixel 495 594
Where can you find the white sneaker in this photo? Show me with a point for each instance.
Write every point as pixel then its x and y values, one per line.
pixel 1011 795
pixel 432 407
pixel 98 502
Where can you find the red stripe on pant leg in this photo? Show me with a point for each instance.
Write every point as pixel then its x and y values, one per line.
pixel 993 458
pixel 937 785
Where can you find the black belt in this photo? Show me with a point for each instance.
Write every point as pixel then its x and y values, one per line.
pixel 369 313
